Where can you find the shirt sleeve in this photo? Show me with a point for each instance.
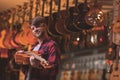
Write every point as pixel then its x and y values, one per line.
pixel 54 55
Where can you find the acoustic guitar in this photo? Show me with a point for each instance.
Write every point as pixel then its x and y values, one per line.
pixel 52 20
pixel 2 36
pixel 25 26
pixel 15 26
pixel 28 35
pixel 73 19
pixel 83 10
pixel 115 75
pixel 25 36
pixel 63 16
pixel 116 27
pixel 9 41
pixel 95 16
pixel 3 30
pixel 60 25
pixel 8 34
pixel 22 57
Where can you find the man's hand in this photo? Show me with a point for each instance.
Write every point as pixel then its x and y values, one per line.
pixel 34 62
pixel 37 64
pixel 46 66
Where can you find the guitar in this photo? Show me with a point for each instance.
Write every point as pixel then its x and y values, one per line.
pixel 95 16
pixel 22 57
pixel 9 33
pixel 24 28
pixel 72 20
pixel 15 27
pixel 2 36
pixel 63 16
pixel 52 19
pixel 83 10
pixel 116 26
pixel 9 42
pixel 2 31
pixel 115 75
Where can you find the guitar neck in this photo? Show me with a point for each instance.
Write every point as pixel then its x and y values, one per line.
pixel 37 57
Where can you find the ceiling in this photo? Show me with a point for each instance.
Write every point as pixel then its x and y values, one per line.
pixel 107 5
pixel 7 4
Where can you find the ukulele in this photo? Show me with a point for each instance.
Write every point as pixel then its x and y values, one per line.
pixel 115 75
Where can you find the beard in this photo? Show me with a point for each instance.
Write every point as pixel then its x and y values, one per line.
pixel 40 34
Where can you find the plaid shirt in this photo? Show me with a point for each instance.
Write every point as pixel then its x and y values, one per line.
pixel 51 52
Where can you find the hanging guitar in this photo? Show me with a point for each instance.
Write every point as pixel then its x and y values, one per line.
pixel 19 36
pixel 29 35
pixel 15 26
pixel 9 31
pixel 63 16
pixel 3 32
pixel 10 40
pixel 72 20
pixel 95 16
pixel 83 10
pixel 25 26
pixel 115 75
pixel 52 21
pixel 116 27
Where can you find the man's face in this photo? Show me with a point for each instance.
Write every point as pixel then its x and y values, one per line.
pixel 39 31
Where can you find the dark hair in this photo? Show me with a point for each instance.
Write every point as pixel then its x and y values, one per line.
pixel 37 21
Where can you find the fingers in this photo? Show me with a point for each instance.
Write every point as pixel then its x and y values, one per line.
pixel 34 62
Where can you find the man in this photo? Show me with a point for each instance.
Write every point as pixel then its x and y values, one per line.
pixel 47 49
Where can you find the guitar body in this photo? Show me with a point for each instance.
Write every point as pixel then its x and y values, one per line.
pixel 73 20
pixel 51 29
pixel 24 34
pixel 115 75
pixel 70 23
pixel 83 10
pixel 12 40
pixel 17 38
pixel 116 38
pixel 7 40
pixel 116 27
pixel 2 36
pixel 60 25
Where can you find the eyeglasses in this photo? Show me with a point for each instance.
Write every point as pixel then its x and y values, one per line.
pixel 38 28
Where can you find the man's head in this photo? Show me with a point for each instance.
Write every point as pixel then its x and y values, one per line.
pixel 39 26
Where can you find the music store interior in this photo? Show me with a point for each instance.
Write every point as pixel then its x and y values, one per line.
pixel 87 32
